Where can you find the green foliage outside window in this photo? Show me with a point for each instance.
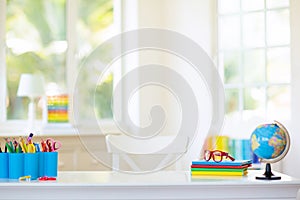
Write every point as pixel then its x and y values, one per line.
pixel 36 43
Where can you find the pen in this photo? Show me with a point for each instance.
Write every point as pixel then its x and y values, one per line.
pixel 12 147
pixel 9 148
pixel 19 149
pixel 44 147
pixel 31 147
pixel 15 144
pixel 23 145
pixel 30 137
pixel 37 147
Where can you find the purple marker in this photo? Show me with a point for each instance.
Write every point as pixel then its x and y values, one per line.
pixel 30 137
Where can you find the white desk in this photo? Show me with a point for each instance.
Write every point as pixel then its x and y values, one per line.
pixel 161 185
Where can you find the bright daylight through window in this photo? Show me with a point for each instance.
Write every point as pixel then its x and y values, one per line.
pixel 52 38
pixel 254 56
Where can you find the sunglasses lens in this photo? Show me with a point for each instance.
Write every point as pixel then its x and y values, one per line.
pixel 217 156
pixel 207 155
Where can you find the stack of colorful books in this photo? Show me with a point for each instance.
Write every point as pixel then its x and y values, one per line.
pixel 224 168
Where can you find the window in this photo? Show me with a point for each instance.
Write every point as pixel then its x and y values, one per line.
pixel 254 58
pixel 51 38
pixel 35 43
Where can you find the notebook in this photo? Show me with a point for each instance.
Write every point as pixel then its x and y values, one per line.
pixel 213 173
pixel 222 166
pixel 223 163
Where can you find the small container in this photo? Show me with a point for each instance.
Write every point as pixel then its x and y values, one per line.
pixel 3 165
pixel 31 165
pixel 50 163
pixel 41 164
pixel 15 165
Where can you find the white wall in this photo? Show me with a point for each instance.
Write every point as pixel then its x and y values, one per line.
pixel 195 20
pixel 192 18
pixel 291 164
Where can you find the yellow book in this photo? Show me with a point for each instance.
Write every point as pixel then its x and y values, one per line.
pixel 208 177
pixel 218 173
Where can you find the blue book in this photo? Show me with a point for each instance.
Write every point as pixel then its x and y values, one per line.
pixel 223 163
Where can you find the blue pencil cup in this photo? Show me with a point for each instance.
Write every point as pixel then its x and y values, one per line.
pixel 15 165
pixel 31 165
pixel 41 164
pixel 50 163
pixel 3 165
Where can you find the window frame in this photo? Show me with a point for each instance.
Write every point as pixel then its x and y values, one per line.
pixel 240 86
pixel 14 127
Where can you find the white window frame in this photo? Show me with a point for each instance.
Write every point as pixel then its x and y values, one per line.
pixel 2 64
pixel 241 85
pixel 15 127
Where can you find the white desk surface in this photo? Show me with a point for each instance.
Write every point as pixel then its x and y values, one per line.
pixel 159 185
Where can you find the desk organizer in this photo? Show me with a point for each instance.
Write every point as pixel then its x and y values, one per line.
pixel 48 164
pixel 3 165
pixel 31 165
pixel 16 165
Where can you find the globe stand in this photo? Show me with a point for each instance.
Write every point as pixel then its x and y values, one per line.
pixel 268 175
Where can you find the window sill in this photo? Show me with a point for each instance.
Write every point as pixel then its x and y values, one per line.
pixel 18 128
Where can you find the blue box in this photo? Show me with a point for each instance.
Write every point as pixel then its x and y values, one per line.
pixel 48 165
pixel 15 165
pixel 31 165
pixel 3 165
pixel 41 164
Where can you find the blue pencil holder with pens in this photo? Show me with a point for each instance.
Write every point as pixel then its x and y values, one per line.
pixel 16 165
pixel 25 158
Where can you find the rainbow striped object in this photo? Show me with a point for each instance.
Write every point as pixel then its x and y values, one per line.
pixel 58 108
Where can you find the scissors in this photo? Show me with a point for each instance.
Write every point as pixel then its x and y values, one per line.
pixel 52 145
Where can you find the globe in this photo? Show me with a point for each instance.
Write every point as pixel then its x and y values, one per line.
pixel 270 143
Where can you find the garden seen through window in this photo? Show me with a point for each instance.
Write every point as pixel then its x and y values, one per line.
pixel 40 37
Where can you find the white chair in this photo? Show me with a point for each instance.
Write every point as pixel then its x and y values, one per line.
pixel 124 148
